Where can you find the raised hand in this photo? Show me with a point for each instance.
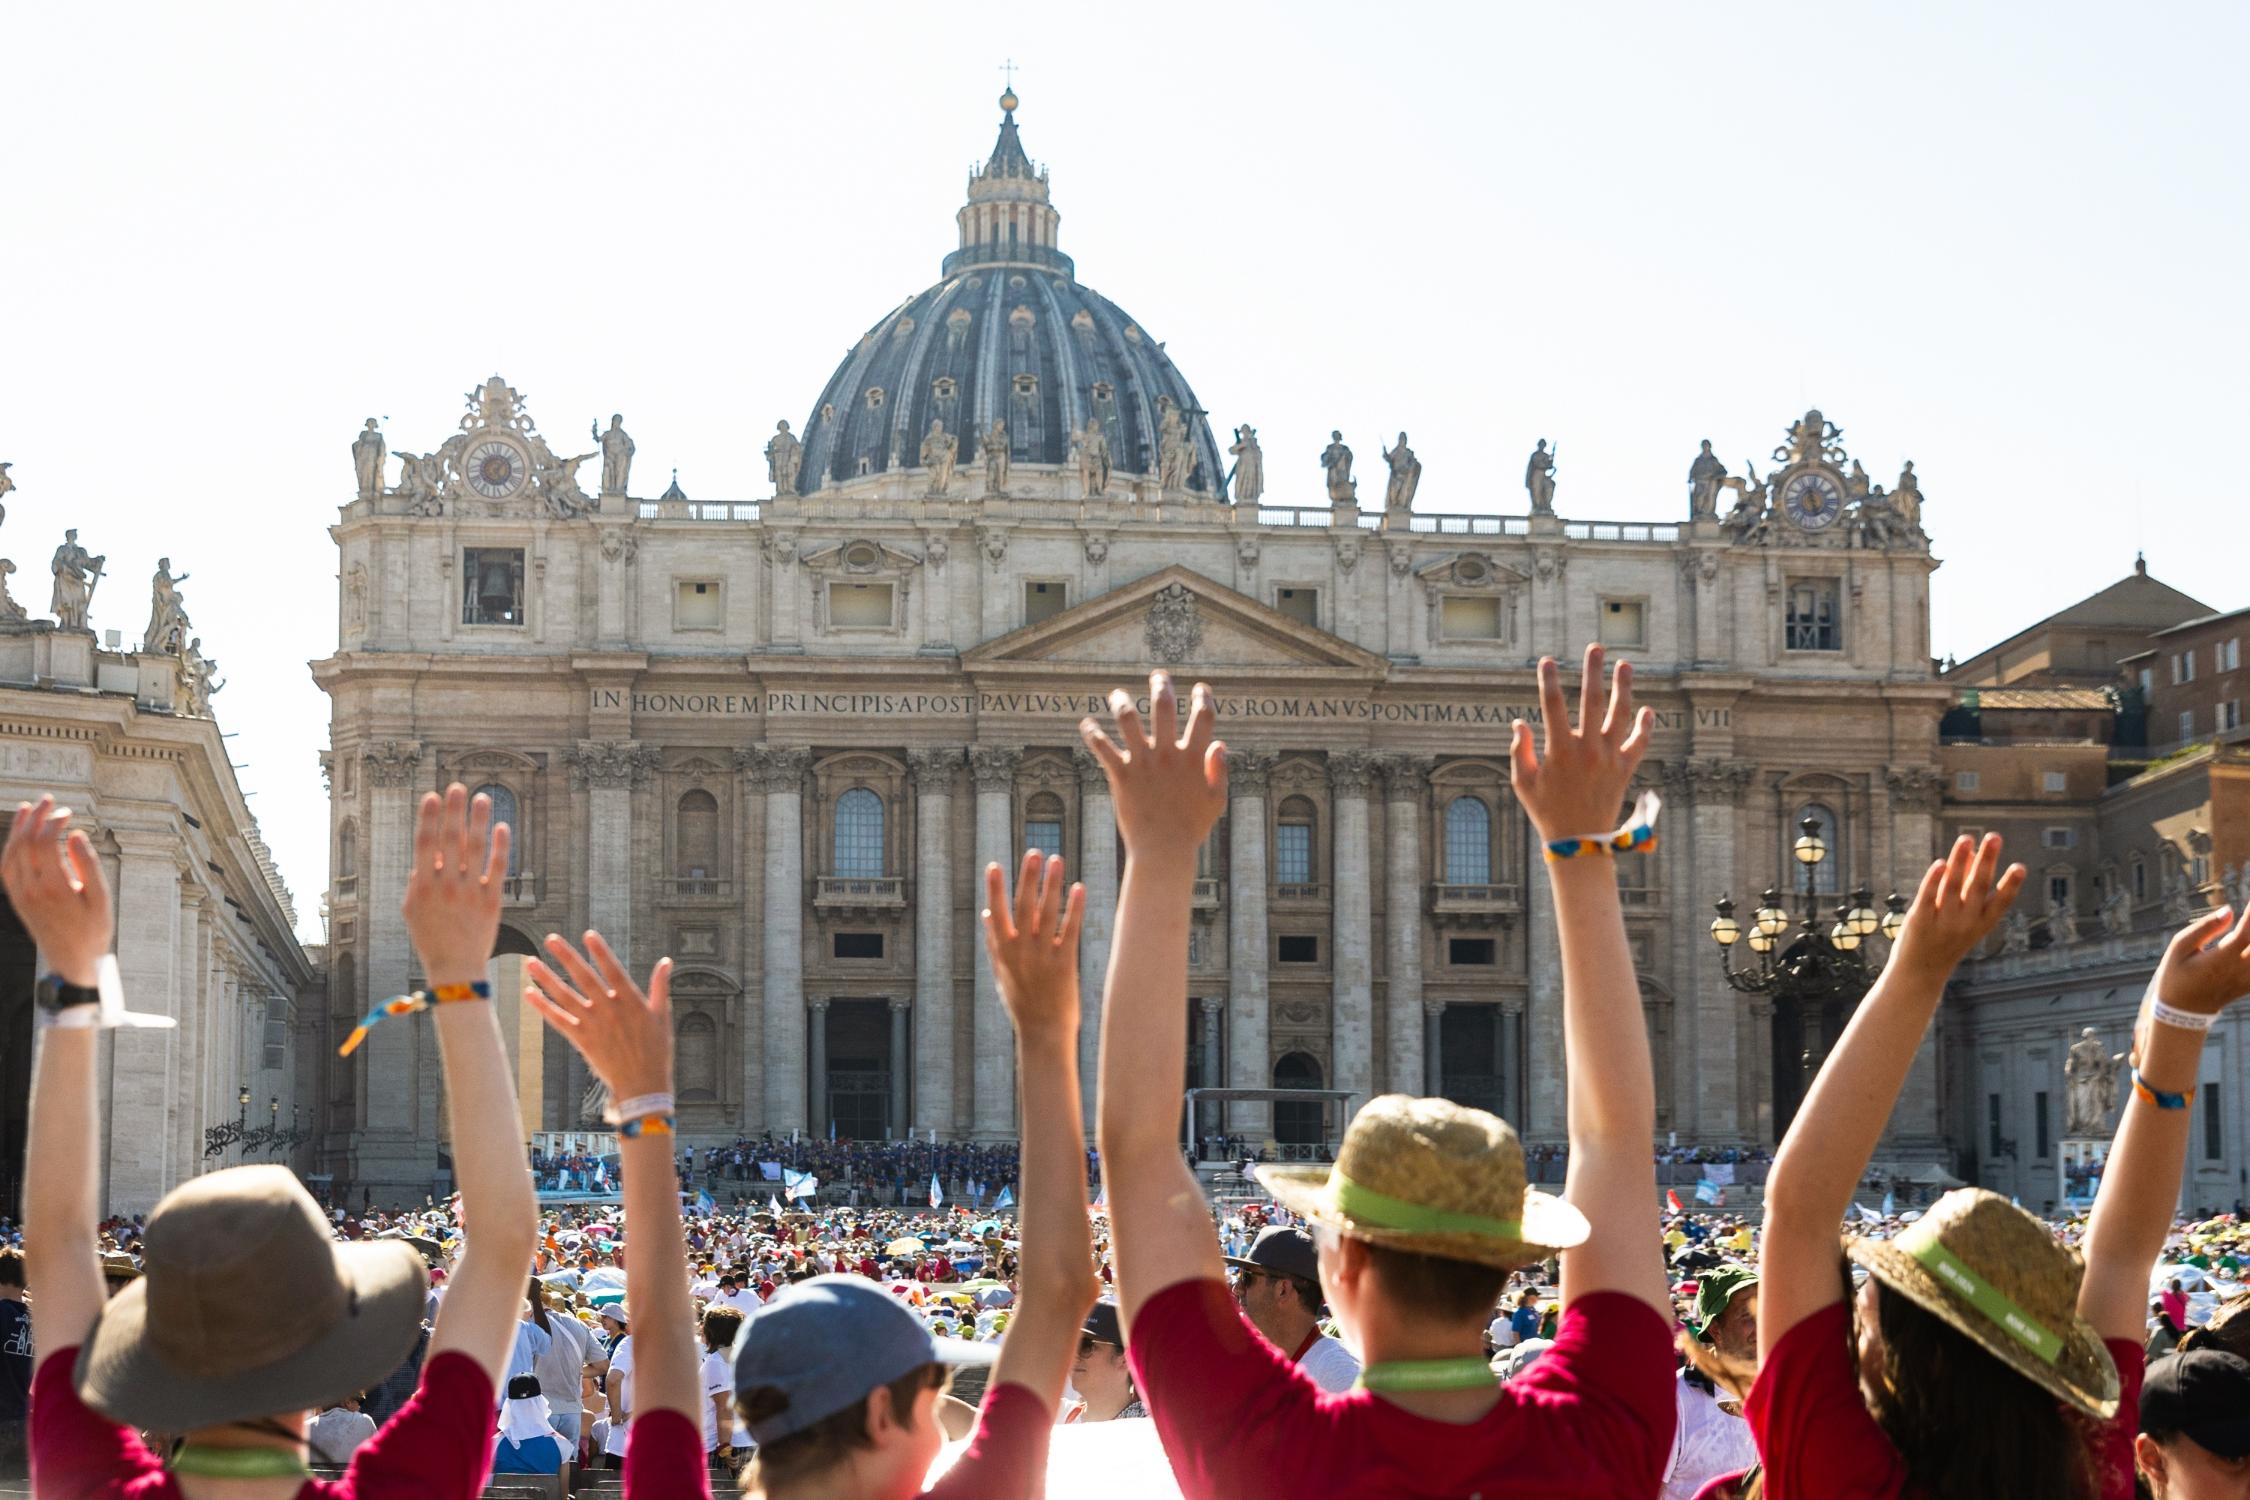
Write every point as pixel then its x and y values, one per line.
pixel 1034 948
pixel 453 895
pixel 624 1035
pixel 1576 784
pixel 54 881
pixel 1168 787
pixel 2206 968
pixel 1957 906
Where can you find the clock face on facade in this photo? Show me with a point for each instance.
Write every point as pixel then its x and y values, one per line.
pixel 1813 500
pixel 496 469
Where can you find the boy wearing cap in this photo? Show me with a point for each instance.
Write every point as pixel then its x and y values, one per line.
pixel 2194 1442
pixel 248 1317
pixel 1425 1211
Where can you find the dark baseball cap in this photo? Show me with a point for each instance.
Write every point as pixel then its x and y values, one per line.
pixel 825 1342
pixel 2204 1393
pixel 1283 1249
pixel 1104 1324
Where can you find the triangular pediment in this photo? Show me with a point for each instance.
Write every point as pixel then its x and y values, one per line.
pixel 1177 619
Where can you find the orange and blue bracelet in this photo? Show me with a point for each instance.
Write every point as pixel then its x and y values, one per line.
pixel 406 1005
pixel 1638 835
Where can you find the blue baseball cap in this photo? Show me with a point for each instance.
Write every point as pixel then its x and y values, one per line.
pixel 826 1342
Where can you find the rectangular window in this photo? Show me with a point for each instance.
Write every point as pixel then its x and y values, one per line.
pixel 1815 616
pixel 1297 948
pixel 2214 1123
pixel 1623 622
pixel 2058 838
pixel 2183 665
pixel 2230 715
pixel 1299 604
pixel 2039 1122
pixel 2058 890
pixel 1469 619
pixel 1044 599
pixel 1992 1126
pixel 2054 781
pixel 859 606
pixel 1469 951
pixel 1292 854
pixel 2140 881
pixel 1966 781
pixel 2228 655
pixel 2187 723
pixel 1043 834
pixel 858 945
pixel 698 604
pixel 277 1043
pixel 2148 682
pixel 492 585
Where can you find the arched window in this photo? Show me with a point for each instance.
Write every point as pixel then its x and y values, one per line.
pixel 1468 842
pixel 1297 1124
pixel 504 810
pixel 347 852
pixel 1043 824
pixel 1294 859
pixel 2140 878
pixel 698 1053
pixel 859 835
pixel 1828 874
pixel 695 843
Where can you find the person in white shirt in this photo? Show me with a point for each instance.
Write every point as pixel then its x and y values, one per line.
pixel 570 1344
pixel 720 1325
pixel 338 1430
pixel 619 1386
pixel 1709 1435
pixel 736 1297
pixel 1277 1285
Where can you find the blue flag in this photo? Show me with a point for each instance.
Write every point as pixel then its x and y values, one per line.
pixel 937 1198
pixel 1890 1204
pixel 1707 1191
pixel 704 1202
pixel 1006 1199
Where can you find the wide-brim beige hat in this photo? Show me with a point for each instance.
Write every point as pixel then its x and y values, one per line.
pixel 1435 1178
pixel 1995 1274
pixel 246 1307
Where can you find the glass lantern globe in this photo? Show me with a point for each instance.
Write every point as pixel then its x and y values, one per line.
pixel 1761 941
pixel 1770 919
pixel 1725 930
pixel 1842 938
pixel 1895 918
pixel 1810 848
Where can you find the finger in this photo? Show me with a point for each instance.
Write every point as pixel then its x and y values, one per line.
pixel 1073 916
pixel 1551 706
pixel 426 820
pixel 1523 764
pixel 997 919
pixel 1986 869
pixel 1958 860
pixel 1026 901
pixel 557 989
pixel 479 838
pixel 84 864
pixel 581 973
pixel 2199 933
pixel 660 990
pixel 1215 768
pixel 453 832
pixel 613 970
pixel 558 1017
pixel 1128 718
pixel 1051 894
pixel 1636 743
pixel 1102 748
pixel 1620 717
pixel 496 863
pixel 1164 711
pixel 1590 690
pixel 2238 941
pixel 1203 720
pixel 1932 888
pixel 2004 894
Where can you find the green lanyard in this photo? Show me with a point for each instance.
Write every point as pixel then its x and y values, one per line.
pixel 240 1463
pixel 1464 1374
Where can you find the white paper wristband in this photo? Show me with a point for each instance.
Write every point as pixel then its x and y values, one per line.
pixel 640 1106
pixel 2185 1020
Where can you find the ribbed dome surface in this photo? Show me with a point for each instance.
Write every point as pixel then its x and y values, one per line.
pixel 1009 333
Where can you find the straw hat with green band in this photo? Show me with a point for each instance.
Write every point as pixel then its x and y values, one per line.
pixel 1434 1178
pixel 1988 1269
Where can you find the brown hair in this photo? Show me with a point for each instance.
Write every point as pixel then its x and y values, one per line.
pixel 1454 1290
pixel 537 1297
pixel 11 1266
pixel 826 1442
pixel 720 1325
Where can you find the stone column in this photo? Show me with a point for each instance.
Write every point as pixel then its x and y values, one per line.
pixel 1546 1100
pixel 1405 788
pixel 1716 788
pixel 1248 772
pixel 144 1084
pixel 388 1092
pixel 1433 1061
pixel 1353 1036
pixel 1213 1119
pixel 900 1009
pixel 1097 870
pixel 816 1032
pixel 607 770
pixel 1916 1124
pixel 781 775
pixel 935 769
pixel 994 769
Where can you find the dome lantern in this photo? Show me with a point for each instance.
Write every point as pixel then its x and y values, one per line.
pixel 1008 219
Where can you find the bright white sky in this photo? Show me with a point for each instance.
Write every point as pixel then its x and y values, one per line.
pixel 2005 242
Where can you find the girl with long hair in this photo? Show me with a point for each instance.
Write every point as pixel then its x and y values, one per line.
pixel 1980 1357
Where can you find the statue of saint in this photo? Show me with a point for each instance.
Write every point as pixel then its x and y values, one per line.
pixel 2062 923
pixel 558 482
pixel 1249 473
pixel 617 454
pixel 2015 932
pixel 1539 478
pixel 1337 460
pixel 76 572
pixel 1089 450
pixel 367 460
pixel 9 609
pixel 940 451
pixel 1703 478
pixel 197 670
pixel 2117 910
pixel 1855 482
pixel 992 447
pixel 7 484
pixel 167 616
pixel 1175 450
pixel 784 457
pixel 1908 497
pixel 2092 1075
pixel 1406 475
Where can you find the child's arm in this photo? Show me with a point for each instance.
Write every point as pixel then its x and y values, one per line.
pixel 1035 961
pixel 1829 1143
pixel 1168 790
pixel 2205 969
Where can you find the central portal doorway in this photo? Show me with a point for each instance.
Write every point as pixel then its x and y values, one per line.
pixel 858 1086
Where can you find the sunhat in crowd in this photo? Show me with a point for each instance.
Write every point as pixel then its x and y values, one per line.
pixel 1994 1273
pixel 1713 1292
pixel 1435 1178
pixel 246 1307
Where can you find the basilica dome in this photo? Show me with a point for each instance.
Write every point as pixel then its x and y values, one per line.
pixel 1008 333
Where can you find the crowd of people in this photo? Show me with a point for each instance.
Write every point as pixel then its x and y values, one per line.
pixel 1413 1318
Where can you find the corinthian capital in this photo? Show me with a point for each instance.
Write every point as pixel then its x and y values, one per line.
pixel 777 768
pixel 1249 772
pixel 1406 778
pixel 393 763
pixel 1916 788
pixel 934 767
pixel 994 767
pixel 1350 772
pixel 611 763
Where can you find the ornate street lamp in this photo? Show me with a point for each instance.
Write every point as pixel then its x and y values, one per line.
pixel 1826 962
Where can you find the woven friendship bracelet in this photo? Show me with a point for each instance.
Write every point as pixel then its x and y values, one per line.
pixel 646 1125
pixel 407 1005
pixel 618 1111
pixel 1638 834
pixel 2157 1096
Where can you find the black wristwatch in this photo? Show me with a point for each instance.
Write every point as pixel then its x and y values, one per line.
pixel 54 993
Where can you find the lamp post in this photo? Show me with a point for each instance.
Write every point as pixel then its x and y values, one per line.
pixel 1827 963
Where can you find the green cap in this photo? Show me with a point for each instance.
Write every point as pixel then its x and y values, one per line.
pixel 1713 1291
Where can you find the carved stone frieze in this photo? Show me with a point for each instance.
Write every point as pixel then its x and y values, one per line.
pixel 611 763
pixel 393 763
pixel 1351 772
pixel 1406 778
pixel 1175 624
pixel 1916 788
pixel 776 768
pixel 934 767
pixel 994 767
pixel 1249 772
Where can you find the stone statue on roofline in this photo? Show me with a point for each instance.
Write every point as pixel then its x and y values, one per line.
pixel 1249 473
pixel 76 572
pixel 167 614
pixel 617 455
pixel 1703 477
pixel 1336 459
pixel 367 460
pixel 941 450
pixel 784 456
pixel 1539 479
pixel 1406 476
pixel 992 447
pixel 1089 450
